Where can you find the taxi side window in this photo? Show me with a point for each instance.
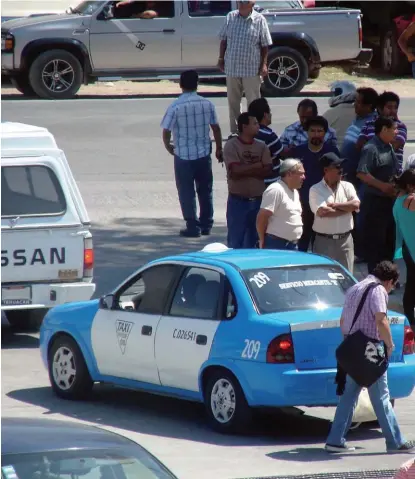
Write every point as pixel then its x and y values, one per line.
pixel 216 8
pixel 135 9
pixel 149 291
pixel 230 306
pixel 197 295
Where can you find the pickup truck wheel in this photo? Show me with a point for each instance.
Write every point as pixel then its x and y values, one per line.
pixel 56 74
pixel 287 72
pixel 225 402
pixel 393 61
pixel 22 85
pixel 68 372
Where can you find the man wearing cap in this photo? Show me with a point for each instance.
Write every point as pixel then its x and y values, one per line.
pixel 333 201
pixel 279 223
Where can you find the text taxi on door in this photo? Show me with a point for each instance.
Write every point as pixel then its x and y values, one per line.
pixel 235 329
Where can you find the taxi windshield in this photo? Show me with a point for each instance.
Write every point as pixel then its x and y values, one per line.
pixel 297 287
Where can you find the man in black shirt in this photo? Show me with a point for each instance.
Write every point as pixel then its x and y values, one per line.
pixel 378 165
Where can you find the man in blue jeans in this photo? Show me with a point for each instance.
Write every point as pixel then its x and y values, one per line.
pixel 190 118
pixel 373 322
pixel 248 162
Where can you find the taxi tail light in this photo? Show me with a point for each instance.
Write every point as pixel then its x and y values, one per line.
pixel 88 258
pixel 281 350
pixel 408 341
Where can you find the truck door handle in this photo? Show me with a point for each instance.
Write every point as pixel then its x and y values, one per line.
pixel 201 339
pixel 146 330
pixel 169 30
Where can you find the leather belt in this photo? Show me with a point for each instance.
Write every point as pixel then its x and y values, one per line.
pixel 281 239
pixel 338 236
pixel 245 198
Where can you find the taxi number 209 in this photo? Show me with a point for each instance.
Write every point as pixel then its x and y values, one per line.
pixel 251 349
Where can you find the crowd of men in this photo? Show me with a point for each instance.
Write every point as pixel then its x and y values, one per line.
pixel 324 184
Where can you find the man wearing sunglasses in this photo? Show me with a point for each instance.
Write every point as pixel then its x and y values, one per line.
pixel 333 201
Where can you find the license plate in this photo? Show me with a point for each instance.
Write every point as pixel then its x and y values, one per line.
pixel 16 295
pixel 68 273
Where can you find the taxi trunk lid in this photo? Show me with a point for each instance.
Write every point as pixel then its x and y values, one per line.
pixel 316 335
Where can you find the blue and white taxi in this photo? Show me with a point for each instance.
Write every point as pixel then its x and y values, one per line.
pixel 235 329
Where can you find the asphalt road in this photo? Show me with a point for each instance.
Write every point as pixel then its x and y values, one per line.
pixel 127 182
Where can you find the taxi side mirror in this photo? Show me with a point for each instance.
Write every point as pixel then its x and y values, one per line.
pixel 107 302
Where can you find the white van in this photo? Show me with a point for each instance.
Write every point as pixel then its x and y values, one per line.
pixel 47 256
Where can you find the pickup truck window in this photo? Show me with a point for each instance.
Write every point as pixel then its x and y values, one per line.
pixel 209 9
pixel 30 191
pixel 134 9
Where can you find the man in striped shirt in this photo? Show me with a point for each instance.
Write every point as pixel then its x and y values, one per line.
pixel 388 105
pixel 260 109
pixel 190 119
pixel 373 322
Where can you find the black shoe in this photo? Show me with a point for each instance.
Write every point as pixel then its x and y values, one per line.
pixel 190 233
pixel 206 232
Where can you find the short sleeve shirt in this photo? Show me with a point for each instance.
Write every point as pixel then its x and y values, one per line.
pixel 285 206
pixel 238 152
pixel 245 36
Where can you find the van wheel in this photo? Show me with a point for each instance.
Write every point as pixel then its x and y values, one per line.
pixel 56 74
pixel 287 72
pixel 68 372
pixel 22 85
pixel 227 409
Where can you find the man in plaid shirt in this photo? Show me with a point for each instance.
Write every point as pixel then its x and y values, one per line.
pixel 243 54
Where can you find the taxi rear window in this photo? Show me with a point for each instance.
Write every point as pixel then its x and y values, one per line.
pixel 30 191
pixel 297 287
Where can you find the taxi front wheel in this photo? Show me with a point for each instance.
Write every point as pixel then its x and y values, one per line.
pixel 226 405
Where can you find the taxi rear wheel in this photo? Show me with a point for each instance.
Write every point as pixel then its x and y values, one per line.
pixel 68 372
pixel 225 402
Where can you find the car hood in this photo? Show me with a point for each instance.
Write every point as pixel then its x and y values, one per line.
pixel 63 19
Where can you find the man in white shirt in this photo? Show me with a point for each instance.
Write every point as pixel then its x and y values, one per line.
pixel 333 201
pixel 279 222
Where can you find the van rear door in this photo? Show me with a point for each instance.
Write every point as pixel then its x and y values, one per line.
pixel 43 239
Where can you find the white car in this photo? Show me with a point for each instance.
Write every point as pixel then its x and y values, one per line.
pixel 47 255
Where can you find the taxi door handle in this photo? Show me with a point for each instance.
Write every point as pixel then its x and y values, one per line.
pixel 201 339
pixel 146 330
pixel 169 30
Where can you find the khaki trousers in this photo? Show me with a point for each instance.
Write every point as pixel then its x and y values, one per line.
pixel 236 87
pixel 341 250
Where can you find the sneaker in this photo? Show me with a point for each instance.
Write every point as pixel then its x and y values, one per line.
pixel 409 446
pixel 189 233
pixel 355 425
pixel 344 448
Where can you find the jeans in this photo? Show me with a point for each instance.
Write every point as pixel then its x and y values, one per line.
pixel 241 221
pixel 409 294
pixel 413 69
pixel 278 243
pixel 187 174
pixel 380 399
pixel 377 230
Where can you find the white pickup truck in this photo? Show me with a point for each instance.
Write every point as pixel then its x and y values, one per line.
pixel 47 255
pixel 51 56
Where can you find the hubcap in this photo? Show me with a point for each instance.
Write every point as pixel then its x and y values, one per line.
pixel 222 401
pixel 58 76
pixel 283 72
pixel 63 368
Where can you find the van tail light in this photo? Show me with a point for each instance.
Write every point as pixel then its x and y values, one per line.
pixel 360 32
pixel 281 350
pixel 408 341
pixel 88 258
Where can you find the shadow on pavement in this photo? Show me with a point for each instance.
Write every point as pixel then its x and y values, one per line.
pixel 129 243
pixel 12 340
pixel 144 413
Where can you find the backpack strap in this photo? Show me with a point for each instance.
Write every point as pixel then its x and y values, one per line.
pixel 362 302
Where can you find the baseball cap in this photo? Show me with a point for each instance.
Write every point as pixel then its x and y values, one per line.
pixel 331 159
pixel 287 164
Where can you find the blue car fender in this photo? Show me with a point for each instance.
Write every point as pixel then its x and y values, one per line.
pixel 230 365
